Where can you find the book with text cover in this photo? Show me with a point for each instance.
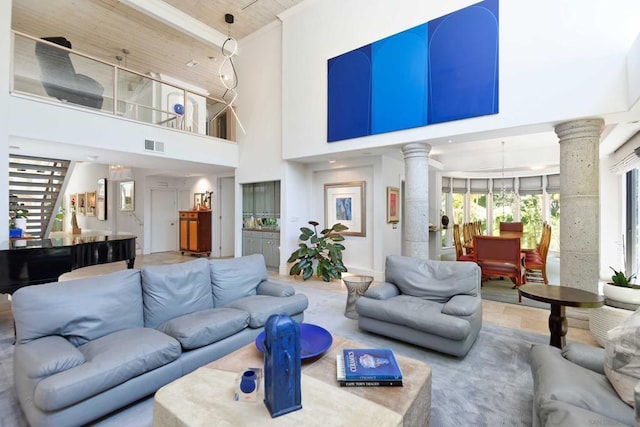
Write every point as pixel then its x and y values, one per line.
pixel 370 364
pixel 343 382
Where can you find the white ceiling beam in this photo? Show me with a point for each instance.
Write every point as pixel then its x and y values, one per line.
pixel 175 18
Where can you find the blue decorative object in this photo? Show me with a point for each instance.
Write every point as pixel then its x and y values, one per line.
pixel 248 382
pixel 178 109
pixel 282 377
pixel 15 233
pixel 314 340
pixel 443 70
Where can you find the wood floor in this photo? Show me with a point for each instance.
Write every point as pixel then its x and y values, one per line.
pixel 508 315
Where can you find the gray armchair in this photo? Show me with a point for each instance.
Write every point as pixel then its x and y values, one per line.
pixel 433 304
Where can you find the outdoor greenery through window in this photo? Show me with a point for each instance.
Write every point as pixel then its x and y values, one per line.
pixel 478 209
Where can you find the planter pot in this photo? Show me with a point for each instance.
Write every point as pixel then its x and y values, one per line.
pixel 618 293
pixel 21 223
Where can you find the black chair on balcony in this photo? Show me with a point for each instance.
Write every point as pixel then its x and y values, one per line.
pixel 60 79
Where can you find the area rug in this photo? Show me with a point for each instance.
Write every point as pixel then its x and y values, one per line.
pixel 491 385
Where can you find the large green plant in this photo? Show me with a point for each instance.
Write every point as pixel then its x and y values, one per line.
pixel 323 250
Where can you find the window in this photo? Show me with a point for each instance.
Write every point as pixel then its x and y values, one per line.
pixel 553 191
pixel 503 201
pixel 531 215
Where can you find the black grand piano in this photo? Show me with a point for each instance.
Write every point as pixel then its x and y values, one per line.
pixel 32 262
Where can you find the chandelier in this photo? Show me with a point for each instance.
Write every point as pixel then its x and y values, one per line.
pixel 230 82
pixel 505 197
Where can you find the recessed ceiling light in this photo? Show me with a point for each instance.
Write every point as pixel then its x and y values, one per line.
pixel 92 158
pixel 332 160
pixel 192 63
pixel 449 141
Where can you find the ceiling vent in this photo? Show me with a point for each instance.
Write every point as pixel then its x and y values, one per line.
pixel 156 146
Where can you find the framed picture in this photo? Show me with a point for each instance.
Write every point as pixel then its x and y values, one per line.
pixel 101 199
pixel 345 203
pixel 197 200
pixel 127 196
pixel 91 203
pixel 393 204
pixel 80 203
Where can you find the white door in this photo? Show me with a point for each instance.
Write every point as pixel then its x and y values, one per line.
pixel 164 221
pixel 226 203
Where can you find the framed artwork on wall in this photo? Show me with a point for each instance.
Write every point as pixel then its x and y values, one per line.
pixel 91 203
pixel 393 204
pixel 345 203
pixel 80 203
pixel 127 196
pixel 101 199
pixel 197 200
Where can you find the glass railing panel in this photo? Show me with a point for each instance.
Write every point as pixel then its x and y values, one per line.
pixel 50 71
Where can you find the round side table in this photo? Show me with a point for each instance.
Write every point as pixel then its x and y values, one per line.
pixel 356 287
pixel 605 318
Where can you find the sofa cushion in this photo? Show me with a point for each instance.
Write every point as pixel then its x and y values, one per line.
pixel 80 310
pixel 174 290
pixel 235 278
pixel 416 313
pixel 432 280
pixel 110 360
pixel 557 379
pixel 622 357
pixel 260 307
pixel 204 327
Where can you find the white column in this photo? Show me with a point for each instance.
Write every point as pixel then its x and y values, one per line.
pixel 580 204
pixel 416 200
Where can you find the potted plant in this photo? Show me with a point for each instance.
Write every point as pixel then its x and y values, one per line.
pixel 621 289
pixel 321 252
pixel 19 216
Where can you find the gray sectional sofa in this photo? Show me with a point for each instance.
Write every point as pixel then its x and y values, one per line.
pixel 87 347
pixel 433 304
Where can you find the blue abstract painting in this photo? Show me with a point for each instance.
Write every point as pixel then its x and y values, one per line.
pixel 443 70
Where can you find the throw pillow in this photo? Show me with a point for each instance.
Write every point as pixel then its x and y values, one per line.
pixel 235 278
pixel 622 357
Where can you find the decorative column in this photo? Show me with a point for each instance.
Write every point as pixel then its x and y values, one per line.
pixel 580 204
pixel 416 200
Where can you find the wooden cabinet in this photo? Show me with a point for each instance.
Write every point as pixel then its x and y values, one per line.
pixel 195 232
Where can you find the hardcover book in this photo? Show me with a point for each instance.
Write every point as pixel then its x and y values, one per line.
pixel 369 364
pixel 343 382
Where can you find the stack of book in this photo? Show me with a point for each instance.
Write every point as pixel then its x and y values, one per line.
pixel 368 367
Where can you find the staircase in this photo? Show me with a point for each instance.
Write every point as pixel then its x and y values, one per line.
pixel 34 185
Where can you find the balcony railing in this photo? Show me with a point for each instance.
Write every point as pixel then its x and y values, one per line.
pixel 48 70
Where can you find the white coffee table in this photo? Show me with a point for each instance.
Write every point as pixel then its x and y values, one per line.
pixel 205 396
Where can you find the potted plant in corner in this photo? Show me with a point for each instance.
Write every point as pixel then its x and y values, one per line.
pixel 621 289
pixel 320 252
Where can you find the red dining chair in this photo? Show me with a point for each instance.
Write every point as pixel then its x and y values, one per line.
pixel 500 256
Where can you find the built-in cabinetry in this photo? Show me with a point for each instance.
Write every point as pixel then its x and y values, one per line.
pixel 266 243
pixel 195 232
pixel 261 199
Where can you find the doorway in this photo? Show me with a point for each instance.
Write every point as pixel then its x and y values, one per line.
pixel 226 207
pixel 164 220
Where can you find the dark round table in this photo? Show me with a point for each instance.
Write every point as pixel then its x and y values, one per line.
pixel 560 297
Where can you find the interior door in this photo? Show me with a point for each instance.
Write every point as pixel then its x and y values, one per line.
pixel 164 221
pixel 226 203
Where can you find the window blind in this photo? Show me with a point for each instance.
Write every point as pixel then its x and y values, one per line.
pixel 479 186
pixel 499 182
pixel 446 184
pixel 530 185
pixel 553 183
pixel 459 185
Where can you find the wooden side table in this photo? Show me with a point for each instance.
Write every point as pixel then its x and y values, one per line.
pixel 560 297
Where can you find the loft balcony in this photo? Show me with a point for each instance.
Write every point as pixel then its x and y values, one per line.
pixel 52 71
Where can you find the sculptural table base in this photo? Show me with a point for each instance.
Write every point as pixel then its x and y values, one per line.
pixel 356 287
pixel 558 326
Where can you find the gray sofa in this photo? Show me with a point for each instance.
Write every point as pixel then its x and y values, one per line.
pixel 87 347
pixel 433 304
pixel 571 389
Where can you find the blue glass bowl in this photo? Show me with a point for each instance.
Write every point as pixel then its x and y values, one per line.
pixel 314 340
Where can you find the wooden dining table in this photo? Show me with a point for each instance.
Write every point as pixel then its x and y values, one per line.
pixel 503 233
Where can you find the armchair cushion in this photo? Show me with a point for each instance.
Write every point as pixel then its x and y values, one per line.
pixel 431 280
pixel 462 305
pixel 585 355
pixel 622 357
pixel 382 291
pixel 274 289
pixel 235 278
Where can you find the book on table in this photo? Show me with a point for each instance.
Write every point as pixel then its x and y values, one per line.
pixel 368 367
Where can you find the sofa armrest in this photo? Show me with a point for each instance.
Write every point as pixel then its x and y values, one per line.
pixel 462 305
pixel 47 356
pixel 636 394
pixel 584 355
pixel 382 291
pixel 274 289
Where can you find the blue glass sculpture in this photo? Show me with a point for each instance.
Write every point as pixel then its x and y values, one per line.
pixel 282 388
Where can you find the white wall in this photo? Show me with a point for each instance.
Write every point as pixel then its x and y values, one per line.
pixel 5 49
pixel 84 179
pixel 633 72
pixel 558 61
